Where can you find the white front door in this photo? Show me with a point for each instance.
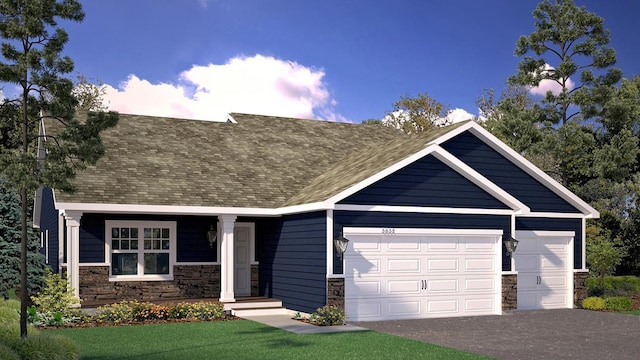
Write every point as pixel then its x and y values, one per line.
pixel 243 240
pixel 421 273
pixel 544 262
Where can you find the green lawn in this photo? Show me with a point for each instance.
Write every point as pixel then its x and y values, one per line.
pixel 632 312
pixel 243 339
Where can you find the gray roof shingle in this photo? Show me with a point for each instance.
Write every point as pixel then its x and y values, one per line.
pixel 259 162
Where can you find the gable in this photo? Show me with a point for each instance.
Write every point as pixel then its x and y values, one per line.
pixel 427 182
pixel 498 169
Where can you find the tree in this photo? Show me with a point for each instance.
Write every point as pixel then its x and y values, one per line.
pixel 32 61
pixel 416 114
pixel 603 254
pixel 10 239
pixel 569 53
pixel 90 94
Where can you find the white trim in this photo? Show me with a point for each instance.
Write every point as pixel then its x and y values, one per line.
pixel 46 246
pixel 335 276
pixel 533 170
pixel 417 231
pixel 329 244
pixel 199 263
pixel 553 215
pixel 509 272
pixel 575 271
pixel 73 249
pixel 94 264
pixel 227 269
pixel 140 224
pixel 425 210
pixel 512 263
pixel 61 242
pixel 583 252
pixel 187 210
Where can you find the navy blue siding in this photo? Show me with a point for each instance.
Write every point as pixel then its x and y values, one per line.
pixel 426 182
pixel 414 220
pixel 192 244
pixel 550 224
pixel 498 169
pixel 49 221
pixel 291 252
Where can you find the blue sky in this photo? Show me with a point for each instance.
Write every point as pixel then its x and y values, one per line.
pixel 344 60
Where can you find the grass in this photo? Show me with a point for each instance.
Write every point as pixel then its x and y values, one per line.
pixel 633 312
pixel 244 339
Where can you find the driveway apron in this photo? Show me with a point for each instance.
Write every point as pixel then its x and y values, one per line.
pixel 545 334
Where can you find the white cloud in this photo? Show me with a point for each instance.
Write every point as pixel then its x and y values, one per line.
pixel 457 115
pixel 549 85
pixel 258 84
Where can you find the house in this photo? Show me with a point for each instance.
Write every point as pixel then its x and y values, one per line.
pixel 425 216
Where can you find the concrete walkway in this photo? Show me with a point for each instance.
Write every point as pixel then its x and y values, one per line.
pixel 285 322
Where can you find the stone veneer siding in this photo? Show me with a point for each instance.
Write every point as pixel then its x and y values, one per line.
pixel 189 281
pixel 255 279
pixel 335 292
pixel 580 287
pixel 509 292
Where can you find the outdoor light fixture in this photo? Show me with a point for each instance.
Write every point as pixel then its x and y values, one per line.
pixel 510 244
pixel 212 236
pixel 341 244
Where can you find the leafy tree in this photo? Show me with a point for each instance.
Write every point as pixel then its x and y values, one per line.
pixel 603 253
pixel 32 61
pixel 90 94
pixel 416 114
pixel 10 239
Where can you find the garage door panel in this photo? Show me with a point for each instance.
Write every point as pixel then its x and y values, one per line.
pixel 435 286
pixel 479 304
pixel 360 266
pixel 404 244
pixel 442 265
pixel 478 246
pixel 554 281
pixel 526 282
pixel 447 245
pixel 404 265
pixel 442 306
pixel 553 300
pixel 553 262
pixel 479 265
pixel 475 285
pixel 365 288
pixel 366 244
pixel 403 287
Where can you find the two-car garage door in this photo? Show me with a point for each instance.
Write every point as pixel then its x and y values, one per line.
pixel 421 273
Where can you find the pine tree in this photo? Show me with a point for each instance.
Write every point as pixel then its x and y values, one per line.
pixel 10 238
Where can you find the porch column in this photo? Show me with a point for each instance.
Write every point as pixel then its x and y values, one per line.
pixel 73 250
pixel 227 264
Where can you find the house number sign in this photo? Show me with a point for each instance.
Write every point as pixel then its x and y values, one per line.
pixel 388 231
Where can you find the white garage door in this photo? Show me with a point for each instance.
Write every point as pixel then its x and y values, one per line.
pixel 421 273
pixel 544 262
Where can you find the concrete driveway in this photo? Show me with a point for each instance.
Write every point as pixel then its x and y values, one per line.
pixel 548 334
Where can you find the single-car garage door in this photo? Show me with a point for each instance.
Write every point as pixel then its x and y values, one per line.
pixel 421 273
pixel 544 262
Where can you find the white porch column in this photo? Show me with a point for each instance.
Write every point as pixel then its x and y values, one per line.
pixel 227 264
pixel 73 249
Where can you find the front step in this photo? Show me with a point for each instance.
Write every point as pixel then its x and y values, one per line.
pixel 260 311
pixel 255 306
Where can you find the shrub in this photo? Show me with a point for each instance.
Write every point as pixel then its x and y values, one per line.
pixel 593 303
pixel 7 353
pixel 44 346
pixel 56 296
pixel 618 303
pixel 128 311
pixel 328 315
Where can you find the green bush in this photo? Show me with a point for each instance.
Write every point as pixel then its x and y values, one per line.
pixel 614 285
pixel 593 303
pixel 128 311
pixel 618 303
pixel 56 296
pixel 7 353
pixel 328 315
pixel 44 346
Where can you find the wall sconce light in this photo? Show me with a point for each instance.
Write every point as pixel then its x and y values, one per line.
pixel 212 236
pixel 510 244
pixel 341 244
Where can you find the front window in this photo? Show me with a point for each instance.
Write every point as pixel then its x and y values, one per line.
pixel 141 249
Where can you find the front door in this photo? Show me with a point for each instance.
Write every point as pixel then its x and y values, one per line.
pixel 243 237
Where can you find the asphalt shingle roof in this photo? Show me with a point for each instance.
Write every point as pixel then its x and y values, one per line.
pixel 259 162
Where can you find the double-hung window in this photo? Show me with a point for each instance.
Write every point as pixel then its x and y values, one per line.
pixel 141 250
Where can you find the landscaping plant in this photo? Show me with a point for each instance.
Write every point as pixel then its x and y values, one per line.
pixel 593 303
pixel 328 315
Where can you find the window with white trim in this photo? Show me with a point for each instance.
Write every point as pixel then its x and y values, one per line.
pixel 141 250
